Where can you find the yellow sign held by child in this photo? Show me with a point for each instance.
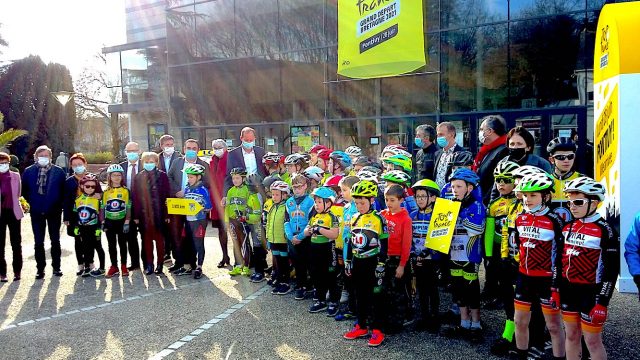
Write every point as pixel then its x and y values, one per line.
pixel 177 206
pixel 442 225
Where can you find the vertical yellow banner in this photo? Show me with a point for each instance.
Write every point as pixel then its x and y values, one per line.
pixel 442 225
pixel 380 38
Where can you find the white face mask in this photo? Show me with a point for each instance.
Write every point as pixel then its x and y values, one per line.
pixel 43 161
pixel 218 152
pixel 481 137
pixel 169 150
pixel 4 168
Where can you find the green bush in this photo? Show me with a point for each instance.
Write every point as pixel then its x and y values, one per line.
pixel 102 157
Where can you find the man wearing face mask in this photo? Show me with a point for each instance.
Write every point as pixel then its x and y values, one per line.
pixel 182 250
pixel 168 154
pixel 446 140
pixel 217 171
pixel 247 156
pixel 493 141
pixel 43 188
pixel 426 156
pixel 131 168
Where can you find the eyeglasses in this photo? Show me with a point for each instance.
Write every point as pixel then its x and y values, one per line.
pixel 421 197
pixel 577 202
pixel 89 186
pixel 504 180
pixel 297 186
pixel 564 157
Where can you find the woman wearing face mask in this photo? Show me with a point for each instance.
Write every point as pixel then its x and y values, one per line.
pixel 218 169
pixel 521 144
pixel 10 215
pixel 78 165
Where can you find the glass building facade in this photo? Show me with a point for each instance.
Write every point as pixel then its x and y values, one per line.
pixel 272 65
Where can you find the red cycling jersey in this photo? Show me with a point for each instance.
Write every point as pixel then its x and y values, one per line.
pixel 538 237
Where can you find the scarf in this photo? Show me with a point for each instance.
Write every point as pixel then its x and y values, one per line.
pixel 485 149
pixel 42 178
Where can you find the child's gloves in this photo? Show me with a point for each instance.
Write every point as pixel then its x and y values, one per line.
pixel 598 314
pixel 125 228
pixel 555 299
pixel 76 231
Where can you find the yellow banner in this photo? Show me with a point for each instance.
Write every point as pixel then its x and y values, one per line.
pixel 380 38
pixel 442 225
pixel 177 206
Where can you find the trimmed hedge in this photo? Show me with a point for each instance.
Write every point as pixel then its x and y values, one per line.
pixel 99 157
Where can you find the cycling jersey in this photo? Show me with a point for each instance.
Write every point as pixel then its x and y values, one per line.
pixel 325 220
pixel 242 202
pixel 265 210
pixel 297 217
pixel 368 236
pixel 200 194
pixel 497 220
pixel 338 211
pixel 591 255
pixel 465 245
pixel 116 202
pixel 275 224
pixel 87 208
pixel 559 199
pixel 420 223
pixel 349 213
pixel 539 237
pixel 509 249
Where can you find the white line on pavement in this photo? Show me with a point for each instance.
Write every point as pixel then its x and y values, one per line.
pixel 206 326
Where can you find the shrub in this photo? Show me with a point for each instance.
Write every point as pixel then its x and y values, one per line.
pixel 102 157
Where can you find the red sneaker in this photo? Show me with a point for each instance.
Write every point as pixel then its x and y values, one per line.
pixel 355 333
pixel 113 271
pixel 377 337
pixel 124 270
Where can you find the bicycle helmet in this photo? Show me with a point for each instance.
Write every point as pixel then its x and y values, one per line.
pixel 333 181
pixel 461 158
pixel 238 171
pixel 266 183
pixel 194 169
pixel 466 175
pixel 294 159
pixel 523 171
pixel 374 169
pixel 587 186
pixel 426 184
pixel 313 173
pixel 324 154
pixel 364 188
pixel 397 177
pixel 316 148
pixel 400 160
pixel 353 151
pixel 280 185
pixel 362 161
pixel 273 158
pixel 505 169
pixel 541 182
pixel 367 175
pixel 561 144
pixel 341 158
pixel 324 192
pixel 115 168
pixel 88 177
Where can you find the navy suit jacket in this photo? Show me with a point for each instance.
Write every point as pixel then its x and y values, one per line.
pixel 236 159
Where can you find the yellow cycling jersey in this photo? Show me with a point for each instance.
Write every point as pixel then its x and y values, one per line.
pixel 325 220
pixel 115 203
pixel 559 199
pixel 508 248
pixel 496 220
pixel 367 230
pixel 87 208
pixel 338 211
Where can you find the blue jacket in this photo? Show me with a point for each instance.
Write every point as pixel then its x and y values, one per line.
pixel 420 224
pixel 348 214
pixel 200 194
pixel 51 200
pixel 297 216
pixel 409 203
pixel 632 247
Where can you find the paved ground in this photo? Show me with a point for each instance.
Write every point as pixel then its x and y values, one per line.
pixel 216 317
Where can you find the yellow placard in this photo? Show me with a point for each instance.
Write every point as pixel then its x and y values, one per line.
pixel 177 206
pixel 380 38
pixel 305 142
pixel 442 225
pixel 205 152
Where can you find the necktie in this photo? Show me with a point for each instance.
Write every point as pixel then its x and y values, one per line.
pixel 133 175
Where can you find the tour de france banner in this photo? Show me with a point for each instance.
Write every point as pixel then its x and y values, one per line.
pixel 616 112
pixel 379 38
pixel 442 225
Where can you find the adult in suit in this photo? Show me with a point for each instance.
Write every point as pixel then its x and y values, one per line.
pixel 183 250
pixel 131 168
pixel 446 140
pixel 167 156
pixel 249 157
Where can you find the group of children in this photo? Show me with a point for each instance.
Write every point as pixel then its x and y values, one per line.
pixel 356 232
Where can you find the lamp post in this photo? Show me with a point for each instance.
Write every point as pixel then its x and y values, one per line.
pixel 63 98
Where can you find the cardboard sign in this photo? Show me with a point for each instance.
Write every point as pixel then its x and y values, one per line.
pixel 442 225
pixel 177 206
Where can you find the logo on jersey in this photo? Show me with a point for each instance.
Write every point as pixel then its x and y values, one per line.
pixel 359 240
pixel 529 245
pixel 563 213
pixel 84 215
pixel 573 252
pixel 114 204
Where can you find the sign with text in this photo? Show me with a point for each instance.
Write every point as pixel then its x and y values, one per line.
pixel 177 206
pixel 380 38
pixel 442 225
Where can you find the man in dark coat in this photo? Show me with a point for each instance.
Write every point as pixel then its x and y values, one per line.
pixel 426 156
pixel 493 137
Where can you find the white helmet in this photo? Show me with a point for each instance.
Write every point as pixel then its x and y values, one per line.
pixel 367 175
pixel 587 186
pixel 523 171
pixel 353 151
pixel 280 185
pixel 313 173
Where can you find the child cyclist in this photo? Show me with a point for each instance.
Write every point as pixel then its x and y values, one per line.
pixel 315 175
pixel 241 210
pixel 339 162
pixel 348 214
pixel 425 260
pixel 538 234
pixel 275 232
pixel 404 180
pixel 367 248
pixel 274 162
pixel 116 208
pixel 298 208
pixel 323 228
pixel 465 254
pixel 295 163
pixel 268 203
pixel 196 225
pixel 397 273
pixel 88 224
pixel 562 155
pixel 590 266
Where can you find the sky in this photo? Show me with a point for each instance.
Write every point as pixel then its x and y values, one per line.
pixel 68 32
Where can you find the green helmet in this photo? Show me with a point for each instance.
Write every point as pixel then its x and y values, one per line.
pixel 428 185
pixel 194 169
pixel 505 169
pixel 536 183
pixel 364 188
pixel 400 160
pixel 397 177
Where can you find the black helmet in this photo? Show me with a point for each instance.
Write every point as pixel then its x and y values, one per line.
pixel 462 158
pixel 238 171
pixel 561 144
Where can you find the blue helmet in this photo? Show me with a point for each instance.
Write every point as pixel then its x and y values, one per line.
pixel 324 192
pixel 342 158
pixel 466 175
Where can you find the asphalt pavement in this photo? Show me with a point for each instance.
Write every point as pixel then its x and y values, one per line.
pixel 215 317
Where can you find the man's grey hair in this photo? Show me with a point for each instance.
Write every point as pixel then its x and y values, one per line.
pixel 42 148
pixel 428 130
pixel 496 123
pixel 219 142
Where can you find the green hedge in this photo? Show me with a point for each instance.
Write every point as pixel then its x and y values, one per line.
pixel 99 157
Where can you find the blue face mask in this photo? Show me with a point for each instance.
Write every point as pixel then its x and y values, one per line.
pixel 149 166
pixel 133 156
pixel 248 145
pixel 190 154
pixel 79 169
pixel 418 141
pixel 442 141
